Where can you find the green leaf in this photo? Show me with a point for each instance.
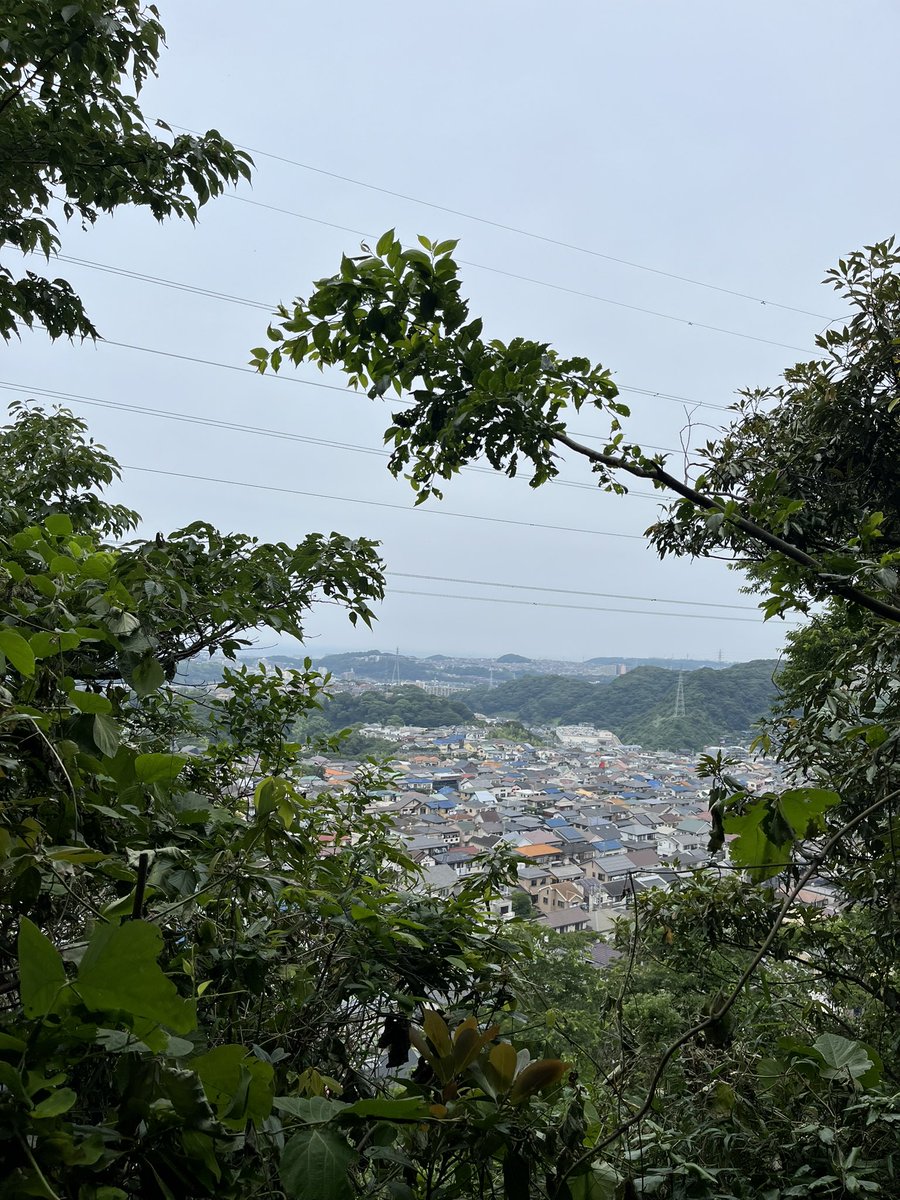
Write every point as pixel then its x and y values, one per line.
pixel 147 677
pixel 803 807
pixel 90 702
pixel 315 1164
pixel 17 650
pixel 845 1059
pixel 42 975
pixel 11 1080
pixel 411 1108
pixel 46 644
pixel 599 1182
pixel 384 243
pixel 238 1085
pixel 58 523
pixel 311 1110
pixel 752 849
pixel 56 1103
pixel 120 971
pixel 158 768
pixel 106 735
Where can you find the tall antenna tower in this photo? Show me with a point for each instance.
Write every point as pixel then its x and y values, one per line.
pixel 679 697
pixel 395 674
pixel 491 684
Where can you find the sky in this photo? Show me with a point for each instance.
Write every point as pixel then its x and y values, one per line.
pixel 741 146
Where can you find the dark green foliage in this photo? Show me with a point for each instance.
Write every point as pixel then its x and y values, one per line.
pixel 721 705
pixel 815 458
pixel 391 706
pixel 197 961
pixel 72 131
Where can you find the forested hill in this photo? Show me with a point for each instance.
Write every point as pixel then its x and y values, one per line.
pixel 720 705
pixel 396 706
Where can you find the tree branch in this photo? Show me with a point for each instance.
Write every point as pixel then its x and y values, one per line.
pixel 733 995
pixel 659 475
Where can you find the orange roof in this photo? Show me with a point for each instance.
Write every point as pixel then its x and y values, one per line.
pixel 538 851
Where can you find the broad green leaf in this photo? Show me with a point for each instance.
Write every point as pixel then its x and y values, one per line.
pixel 158 768
pixel 844 1059
pixel 11 1080
pixel 106 735
pixel 147 677
pixel 55 1104
pixel 752 849
pixel 59 523
pixel 17 650
pixel 239 1086
pixel 312 1110
pixel 803 807
pixel 315 1164
pixel 90 702
pixel 46 644
pixel 546 1072
pixel 42 975
pixel 599 1182
pixel 120 971
pixel 410 1108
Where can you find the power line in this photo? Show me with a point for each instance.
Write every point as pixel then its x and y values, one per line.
pixel 194 289
pixel 528 233
pixel 436 512
pixel 558 287
pixel 276 434
pixel 528 587
pixel 190 288
pixel 466 516
pixel 634 612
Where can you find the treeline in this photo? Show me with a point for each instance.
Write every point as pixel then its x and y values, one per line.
pixel 720 705
pixel 395 707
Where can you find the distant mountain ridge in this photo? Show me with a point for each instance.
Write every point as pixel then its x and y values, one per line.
pixel 720 704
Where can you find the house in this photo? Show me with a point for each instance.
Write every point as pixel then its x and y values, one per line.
pixel 564 920
pixel 540 854
pixel 558 895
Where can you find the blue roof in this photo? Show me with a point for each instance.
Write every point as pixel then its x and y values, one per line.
pixel 554 822
pixel 612 844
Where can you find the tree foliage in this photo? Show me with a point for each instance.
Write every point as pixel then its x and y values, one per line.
pixel 211 984
pixel 787 1027
pixel 74 143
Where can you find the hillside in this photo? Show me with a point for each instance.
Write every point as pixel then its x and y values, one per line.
pixel 720 705
pixel 396 706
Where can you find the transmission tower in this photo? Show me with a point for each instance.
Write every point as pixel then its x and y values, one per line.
pixel 395 674
pixel 679 697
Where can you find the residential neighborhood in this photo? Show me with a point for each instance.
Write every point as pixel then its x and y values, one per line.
pixel 591 823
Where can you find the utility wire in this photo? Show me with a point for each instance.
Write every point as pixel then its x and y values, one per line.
pixel 262 306
pixel 435 512
pixel 528 587
pixel 528 233
pixel 466 516
pixel 276 434
pixel 558 287
pixel 443 512
pixel 634 612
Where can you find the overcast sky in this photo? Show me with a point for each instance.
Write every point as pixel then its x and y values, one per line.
pixel 742 145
